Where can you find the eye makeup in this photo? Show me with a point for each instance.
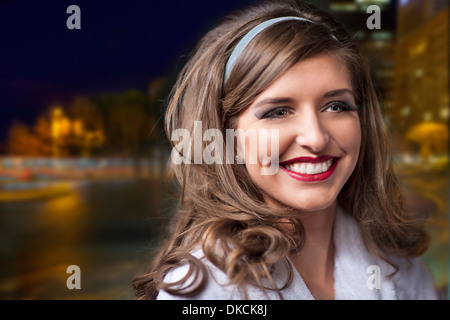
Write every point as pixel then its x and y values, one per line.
pixel 274 113
pixel 284 111
pixel 339 106
pixel 277 108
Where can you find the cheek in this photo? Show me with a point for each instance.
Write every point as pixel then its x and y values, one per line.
pixel 348 137
pixel 261 146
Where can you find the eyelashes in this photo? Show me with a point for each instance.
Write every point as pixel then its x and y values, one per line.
pixel 276 113
pixel 332 107
pixel 339 106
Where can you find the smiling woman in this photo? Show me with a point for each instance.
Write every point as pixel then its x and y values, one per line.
pixel 319 144
pixel 334 210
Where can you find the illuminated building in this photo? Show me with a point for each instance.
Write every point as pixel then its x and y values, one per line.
pixel 422 63
pixel 378 44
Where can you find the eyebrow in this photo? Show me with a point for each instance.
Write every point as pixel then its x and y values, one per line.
pixel 337 92
pixel 272 101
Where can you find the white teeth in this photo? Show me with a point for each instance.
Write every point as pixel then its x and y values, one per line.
pixel 318 168
pixel 310 168
pixel 303 168
pixel 329 163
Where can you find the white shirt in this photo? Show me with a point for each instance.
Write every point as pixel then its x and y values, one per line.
pixel 357 275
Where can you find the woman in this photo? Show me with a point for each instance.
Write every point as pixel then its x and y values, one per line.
pixel 329 222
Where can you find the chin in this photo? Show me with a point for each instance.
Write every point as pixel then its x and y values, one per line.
pixel 305 203
pixel 313 200
pixel 313 207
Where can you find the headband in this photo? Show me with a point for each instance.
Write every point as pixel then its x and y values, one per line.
pixel 249 36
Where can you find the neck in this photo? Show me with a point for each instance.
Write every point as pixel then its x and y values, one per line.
pixel 315 262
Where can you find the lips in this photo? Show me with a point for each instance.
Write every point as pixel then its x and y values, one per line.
pixel 310 169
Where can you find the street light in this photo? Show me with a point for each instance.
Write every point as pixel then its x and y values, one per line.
pixel 56 129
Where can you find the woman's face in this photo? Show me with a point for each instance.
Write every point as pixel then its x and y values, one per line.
pixel 312 108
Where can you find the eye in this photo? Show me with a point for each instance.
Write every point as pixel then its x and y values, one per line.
pixel 276 113
pixel 338 107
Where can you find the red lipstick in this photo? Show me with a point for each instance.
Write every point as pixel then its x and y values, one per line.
pixel 310 177
pixel 308 159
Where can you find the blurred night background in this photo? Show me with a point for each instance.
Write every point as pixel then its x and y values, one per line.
pixel 83 151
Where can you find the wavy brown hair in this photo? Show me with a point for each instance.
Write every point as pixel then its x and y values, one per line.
pixel 221 210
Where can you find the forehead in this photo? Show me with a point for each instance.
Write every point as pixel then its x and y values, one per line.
pixel 313 76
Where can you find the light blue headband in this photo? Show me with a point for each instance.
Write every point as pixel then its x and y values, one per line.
pixel 249 36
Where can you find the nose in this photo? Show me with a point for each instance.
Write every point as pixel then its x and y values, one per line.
pixel 311 133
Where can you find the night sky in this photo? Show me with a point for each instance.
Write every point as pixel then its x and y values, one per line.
pixel 121 45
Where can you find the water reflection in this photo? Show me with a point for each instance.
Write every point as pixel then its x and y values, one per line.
pixel 103 227
pixel 107 228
